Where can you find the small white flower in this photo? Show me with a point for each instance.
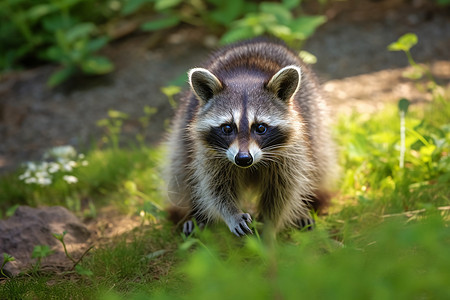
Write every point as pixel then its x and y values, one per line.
pixel 81 156
pixel 70 179
pixel 67 167
pixel 84 163
pixel 31 166
pixel 43 180
pixel 61 152
pixel 41 174
pixel 25 175
pixel 42 167
pixel 30 180
pixel 53 167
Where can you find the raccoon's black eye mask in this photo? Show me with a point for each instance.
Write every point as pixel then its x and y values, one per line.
pixel 272 137
pixel 227 129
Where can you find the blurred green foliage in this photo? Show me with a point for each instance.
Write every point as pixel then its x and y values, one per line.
pixel 237 19
pixel 61 31
pixel 71 32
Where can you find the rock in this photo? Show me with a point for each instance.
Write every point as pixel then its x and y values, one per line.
pixel 29 227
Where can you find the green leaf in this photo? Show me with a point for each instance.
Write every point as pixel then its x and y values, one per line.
pixel 11 210
pixel 237 34
pixel 279 30
pixel 404 43
pixel 132 6
pixel 38 11
pixel 41 251
pixel 165 4
pixel 227 11
pixel 115 114
pixel 97 65
pixel 58 22
pixel 79 31
pixel 290 4
pixel 308 57
pixel 282 14
pixel 155 254
pixel 161 23
pixel 170 90
pixel 306 25
pixel 188 243
pixel 83 271
pixel 60 76
pixel 403 105
pixel 7 258
pixel 59 237
pixel 96 44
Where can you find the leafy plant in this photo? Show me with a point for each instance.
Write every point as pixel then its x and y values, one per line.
pixel 58 31
pixel 148 208
pixel 274 19
pixel 76 263
pixel 405 43
pixel 6 258
pixel 75 50
pixel 239 19
pixel 40 252
pixel 113 125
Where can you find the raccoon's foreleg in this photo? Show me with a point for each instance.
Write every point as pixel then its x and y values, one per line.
pixel 238 223
pixel 198 218
pixel 236 220
pixel 220 201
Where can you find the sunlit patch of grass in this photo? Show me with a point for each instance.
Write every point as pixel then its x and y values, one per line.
pixel 100 181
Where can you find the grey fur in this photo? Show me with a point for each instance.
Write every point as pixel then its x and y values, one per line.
pixel 257 83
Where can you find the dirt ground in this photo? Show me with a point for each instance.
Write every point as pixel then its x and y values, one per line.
pixel 357 72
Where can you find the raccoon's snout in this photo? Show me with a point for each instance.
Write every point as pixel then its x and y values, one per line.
pixel 243 159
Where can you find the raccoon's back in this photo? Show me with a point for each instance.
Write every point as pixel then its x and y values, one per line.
pixel 265 55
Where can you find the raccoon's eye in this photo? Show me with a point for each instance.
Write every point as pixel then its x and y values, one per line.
pixel 261 128
pixel 227 129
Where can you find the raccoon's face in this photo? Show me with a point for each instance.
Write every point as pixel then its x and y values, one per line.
pixel 245 119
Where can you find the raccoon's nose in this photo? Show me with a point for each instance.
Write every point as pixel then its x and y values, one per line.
pixel 243 159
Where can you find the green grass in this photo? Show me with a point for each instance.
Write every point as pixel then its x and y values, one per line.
pixel 386 236
pixel 102 181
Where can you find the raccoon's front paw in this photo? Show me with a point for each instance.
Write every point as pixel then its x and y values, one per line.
pixel 189 226
pixel 238 224
pixel 306 224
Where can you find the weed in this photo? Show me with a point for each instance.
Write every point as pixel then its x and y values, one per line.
pixel 6 258
pixel 39 252
pixel 405 43
pixel 113 125
pixel 76 263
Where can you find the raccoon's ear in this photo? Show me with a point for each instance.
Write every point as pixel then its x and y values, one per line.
pixel 204 84
pixel 286 82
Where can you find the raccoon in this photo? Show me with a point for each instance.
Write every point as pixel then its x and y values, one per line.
pixel 254 118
